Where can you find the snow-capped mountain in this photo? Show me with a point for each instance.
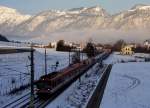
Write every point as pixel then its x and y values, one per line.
pixel 137 17
pixel 14 23
pixel 9 18
pixel 54 20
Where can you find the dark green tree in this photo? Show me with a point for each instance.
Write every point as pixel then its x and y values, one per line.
pixel 118 45
pixel 90 50
pixel 49 46
pixel 60 45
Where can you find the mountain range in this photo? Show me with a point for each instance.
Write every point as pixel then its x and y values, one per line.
pixel 93 19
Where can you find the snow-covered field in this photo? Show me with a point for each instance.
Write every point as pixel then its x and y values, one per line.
pixel 129 77
pixel 128 84
pixel 116 57
pixel 13 45
pixel 15 69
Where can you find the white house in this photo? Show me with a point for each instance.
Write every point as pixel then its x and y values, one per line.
pixel 147 44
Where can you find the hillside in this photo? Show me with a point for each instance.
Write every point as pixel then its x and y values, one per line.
pixel 48 23
pixel 3 38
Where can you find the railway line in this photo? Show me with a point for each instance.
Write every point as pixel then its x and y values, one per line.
pixel 24 101
pixel 15 102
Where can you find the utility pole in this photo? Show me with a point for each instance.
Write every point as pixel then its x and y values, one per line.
pixel 79 64
pixel 32 78
pixel 82 50
pixel 45 62
pixel 79 55
pixel 69 56
pixel 82 54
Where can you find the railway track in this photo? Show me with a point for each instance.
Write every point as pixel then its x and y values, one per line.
pixel 20 100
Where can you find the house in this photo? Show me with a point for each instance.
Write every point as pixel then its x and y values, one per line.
pixel 99 47
pixel 147 44
pixel 127 50
pixel 54 44
pixel 77 45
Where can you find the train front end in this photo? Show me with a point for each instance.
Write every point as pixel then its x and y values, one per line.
pixel 43 88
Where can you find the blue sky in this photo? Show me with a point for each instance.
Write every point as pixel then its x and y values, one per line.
pixel 35 6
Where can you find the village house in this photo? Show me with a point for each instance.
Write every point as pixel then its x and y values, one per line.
pixel 127 50
pixel 99 47
pixel 147 44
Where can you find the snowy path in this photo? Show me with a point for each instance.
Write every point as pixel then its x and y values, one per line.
pixel 134 81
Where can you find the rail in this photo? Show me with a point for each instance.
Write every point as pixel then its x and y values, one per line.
pixel 19 99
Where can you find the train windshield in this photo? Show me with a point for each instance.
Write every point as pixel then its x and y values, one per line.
pixel 43 85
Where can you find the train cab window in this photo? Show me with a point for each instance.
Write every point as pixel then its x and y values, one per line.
pixel 41 85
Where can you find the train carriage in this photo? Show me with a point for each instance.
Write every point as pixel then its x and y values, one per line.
pixel 55 81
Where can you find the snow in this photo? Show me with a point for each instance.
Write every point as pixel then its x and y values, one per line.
pixel 128 79
pixel 11 16
pixel 50 23
pixel 97 8
pixel 116 57
pixel 145 8
pixel 15 70
pixel 9 45
pixel 140 8
pixel 128 83
pixel 78 94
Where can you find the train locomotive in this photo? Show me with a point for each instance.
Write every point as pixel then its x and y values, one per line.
pixel 55 81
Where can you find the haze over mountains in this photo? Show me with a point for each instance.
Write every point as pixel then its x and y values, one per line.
pixel 77 24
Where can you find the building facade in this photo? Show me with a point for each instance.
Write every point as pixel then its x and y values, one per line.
pixel 147 44
pixel 127 50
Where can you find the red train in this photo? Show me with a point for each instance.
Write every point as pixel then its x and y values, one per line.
pixel 55 81
pixel 49 84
